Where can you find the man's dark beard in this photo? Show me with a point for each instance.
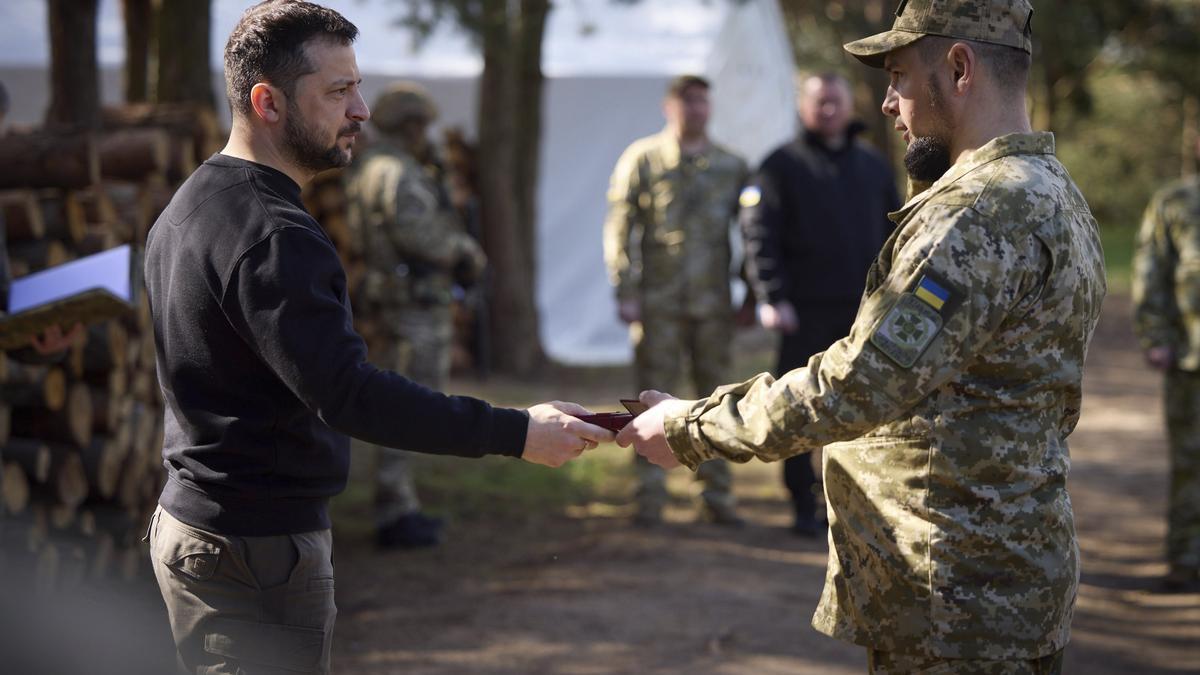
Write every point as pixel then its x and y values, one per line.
pixel 306 149
pixel 927 159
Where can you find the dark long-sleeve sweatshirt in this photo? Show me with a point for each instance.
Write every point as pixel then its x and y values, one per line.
pixel 263 376
pixel 817 219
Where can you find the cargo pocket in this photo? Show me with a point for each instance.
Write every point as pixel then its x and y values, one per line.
pixel 264 648
pixel 189 555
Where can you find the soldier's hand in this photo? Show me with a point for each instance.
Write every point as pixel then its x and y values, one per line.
pixel 555 436
pixel 780 316
pixel 647 433
pixel 629 311
pixel 1160 358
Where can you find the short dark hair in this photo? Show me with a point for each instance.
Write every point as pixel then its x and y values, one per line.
pixel 3 100
pixel 1008 65
pixel 267 45
pixel 681 84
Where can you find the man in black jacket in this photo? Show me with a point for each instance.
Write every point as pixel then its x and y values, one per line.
pixel 814 217
pixel 263 377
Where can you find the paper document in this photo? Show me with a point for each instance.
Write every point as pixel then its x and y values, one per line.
pixel 89 290
pixel 107 270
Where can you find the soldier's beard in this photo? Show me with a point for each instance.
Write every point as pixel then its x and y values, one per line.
pixel 306 148
pixel 928 157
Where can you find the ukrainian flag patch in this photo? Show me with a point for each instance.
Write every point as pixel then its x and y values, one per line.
pixel 932 293
pixel 750 197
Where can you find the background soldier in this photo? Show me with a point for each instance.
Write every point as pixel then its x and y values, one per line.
pixel 415 249
pixel 952 397
pixel 814 218
pixel 1166 295
pixel 672 199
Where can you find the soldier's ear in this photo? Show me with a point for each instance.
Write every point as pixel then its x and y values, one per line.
pixel 963 63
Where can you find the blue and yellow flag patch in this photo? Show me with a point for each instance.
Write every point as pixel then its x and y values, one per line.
pixel 750 197
pixel 912 324
pixel 931 293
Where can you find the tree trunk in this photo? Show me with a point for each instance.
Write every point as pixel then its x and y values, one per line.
pixel 183 68
pixel 138 15
pixel 509 95
pixel 74 75
pixel 529 82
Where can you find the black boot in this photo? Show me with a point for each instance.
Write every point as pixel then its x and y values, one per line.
pixel 412 530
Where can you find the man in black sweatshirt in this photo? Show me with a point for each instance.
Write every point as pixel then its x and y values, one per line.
pixel 264 378
pixel 814 217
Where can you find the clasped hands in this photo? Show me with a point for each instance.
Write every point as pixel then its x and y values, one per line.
pixel 556 435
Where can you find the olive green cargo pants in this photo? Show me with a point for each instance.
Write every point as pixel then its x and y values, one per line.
pixel 245 605
pixel 662 346
pixel 1183 497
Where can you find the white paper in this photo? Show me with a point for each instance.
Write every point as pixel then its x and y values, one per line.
pixel 109 270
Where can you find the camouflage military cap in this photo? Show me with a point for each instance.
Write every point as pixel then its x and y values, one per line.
pixel 399 103
pixel 1002 22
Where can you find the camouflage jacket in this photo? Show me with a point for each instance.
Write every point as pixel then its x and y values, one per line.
pixel 1166 273
pixel 412 239
pixel 948 406
pixel 666 238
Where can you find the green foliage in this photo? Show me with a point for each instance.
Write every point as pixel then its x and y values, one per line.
pixel 1121 154
pixel 1111 78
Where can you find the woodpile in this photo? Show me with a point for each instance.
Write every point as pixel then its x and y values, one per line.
pixel 325 198
pixel 81 438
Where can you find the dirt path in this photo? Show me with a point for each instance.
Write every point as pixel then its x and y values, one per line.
pixel 583 593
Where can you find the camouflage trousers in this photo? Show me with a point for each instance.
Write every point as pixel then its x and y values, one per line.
pixel 418 346
pixel 663 346
pixel 894 663
pixel 1183 498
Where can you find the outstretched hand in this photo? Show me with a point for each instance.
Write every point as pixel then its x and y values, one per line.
pixel 1160 358
pixel 647 433
pixel 556 436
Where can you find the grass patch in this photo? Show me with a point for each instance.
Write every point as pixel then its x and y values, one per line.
pixel 462 489
pixel 502 488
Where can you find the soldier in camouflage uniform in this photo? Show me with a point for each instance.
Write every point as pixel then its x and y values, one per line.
pixel 949 403
pixel 415 249
pixel 672 199
pixel 1166 295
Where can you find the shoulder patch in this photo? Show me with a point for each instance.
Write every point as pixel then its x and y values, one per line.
pixel 907 330
pixel 931 293
pixel 916 319
pixel 750 197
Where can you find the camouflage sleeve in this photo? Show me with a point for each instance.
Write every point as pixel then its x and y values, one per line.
pixel 423 230
pixel 623 225
pixel 1154 311
pixel 951 286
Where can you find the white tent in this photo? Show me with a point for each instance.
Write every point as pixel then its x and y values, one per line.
pixel 589 122
pixel 607 65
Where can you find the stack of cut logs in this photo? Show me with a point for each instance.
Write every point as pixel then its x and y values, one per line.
pixel 81 438
pixel 325 198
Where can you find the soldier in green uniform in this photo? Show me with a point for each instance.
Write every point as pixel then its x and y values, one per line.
pixel 415 249
pixel 949 404
pixel 1166 296
pixel 672 199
